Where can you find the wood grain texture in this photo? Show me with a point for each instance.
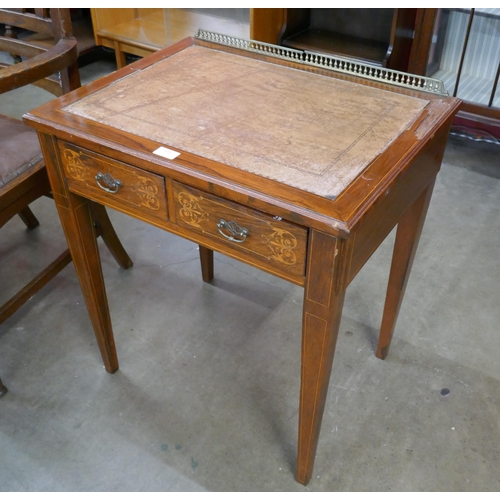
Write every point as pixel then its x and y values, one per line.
pixel 207 264
pixel 407 237
pixel 29 218
pixel 385 212
pixel 106 231
pixel 36 284
pixel 292 203
pixel 142 31
pixel 76 218
pixel 139 188
pixel 266 25
pixel 323 302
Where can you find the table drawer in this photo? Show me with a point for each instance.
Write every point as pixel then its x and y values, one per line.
pixel 113 182
pixel 246 230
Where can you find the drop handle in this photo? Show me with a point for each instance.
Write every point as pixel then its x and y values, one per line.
pixel 111 185
pixel 236 234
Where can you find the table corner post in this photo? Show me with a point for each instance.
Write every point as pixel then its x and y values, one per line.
pixel 326 282
pixel 77 222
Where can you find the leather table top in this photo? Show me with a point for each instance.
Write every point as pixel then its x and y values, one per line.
pixel 303 129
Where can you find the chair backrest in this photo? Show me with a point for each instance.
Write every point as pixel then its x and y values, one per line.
pixel 39 49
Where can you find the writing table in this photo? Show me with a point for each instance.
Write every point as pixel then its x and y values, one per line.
pixel 295 163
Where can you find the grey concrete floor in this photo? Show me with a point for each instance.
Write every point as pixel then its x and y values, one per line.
pixel 206 397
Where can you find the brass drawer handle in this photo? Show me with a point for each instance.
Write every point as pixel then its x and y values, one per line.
pixel 112 185
pixel 235 230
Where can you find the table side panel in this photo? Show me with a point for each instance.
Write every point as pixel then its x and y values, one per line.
pixel 378 222
pixel 279 250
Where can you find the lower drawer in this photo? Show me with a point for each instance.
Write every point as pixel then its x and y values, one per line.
pixel 245 230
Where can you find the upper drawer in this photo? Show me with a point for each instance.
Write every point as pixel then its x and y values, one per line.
pixel 268 238
pixel 117 184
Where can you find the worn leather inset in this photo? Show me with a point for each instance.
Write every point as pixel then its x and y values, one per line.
pixel 305 130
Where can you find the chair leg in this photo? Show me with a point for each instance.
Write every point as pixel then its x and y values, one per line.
pixel 28 217
pixel 106 230
pixel 36 284
pixel 3 389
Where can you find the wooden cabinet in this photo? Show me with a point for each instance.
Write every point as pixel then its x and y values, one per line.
pixel 465 55
pixel 358 33
pixel 143 31
pixel 378 36
pixel 459 46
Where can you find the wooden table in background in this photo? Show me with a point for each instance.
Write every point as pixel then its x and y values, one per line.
pixel 297 170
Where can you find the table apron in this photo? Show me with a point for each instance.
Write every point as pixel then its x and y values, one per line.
pixel 270 243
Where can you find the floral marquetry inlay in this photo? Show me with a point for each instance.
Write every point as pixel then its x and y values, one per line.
pixel 191 212
pixel 74 165
pixel 148 192
pixel 282 244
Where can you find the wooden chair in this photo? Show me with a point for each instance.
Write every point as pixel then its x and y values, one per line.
pixel 44 53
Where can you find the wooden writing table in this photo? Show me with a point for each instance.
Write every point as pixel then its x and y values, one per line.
pixel 284 164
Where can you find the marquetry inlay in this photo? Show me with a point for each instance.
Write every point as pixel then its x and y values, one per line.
pixel 74 165
pixel 282 244
pixel 191 212
pixel 134 186
pixel 148 192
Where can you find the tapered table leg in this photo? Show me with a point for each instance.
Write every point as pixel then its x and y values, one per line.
pixel 407 237
pixel 78 226
pixel 77 222
pixel 323 301
pixel 207 264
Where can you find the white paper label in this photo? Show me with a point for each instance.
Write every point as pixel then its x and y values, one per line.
pixel 166 153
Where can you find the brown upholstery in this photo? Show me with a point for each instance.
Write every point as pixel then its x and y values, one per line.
pixel 19 148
